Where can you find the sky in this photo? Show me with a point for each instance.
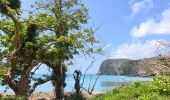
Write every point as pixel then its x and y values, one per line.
pixel 129 29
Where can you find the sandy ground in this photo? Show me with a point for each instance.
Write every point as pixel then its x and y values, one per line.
pixel 50 95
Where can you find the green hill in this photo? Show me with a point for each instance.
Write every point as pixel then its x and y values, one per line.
pixel 144 67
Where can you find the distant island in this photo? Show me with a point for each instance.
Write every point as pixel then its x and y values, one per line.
pixel 143 67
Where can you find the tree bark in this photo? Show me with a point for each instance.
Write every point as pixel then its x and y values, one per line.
pixel 59 84
pixel 21 92
pixel 23 86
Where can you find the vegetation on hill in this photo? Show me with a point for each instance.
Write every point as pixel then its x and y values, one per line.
pixel 143 67
pixel 158 89
pixel 122 67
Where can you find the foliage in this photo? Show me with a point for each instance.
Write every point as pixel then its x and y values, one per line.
pixel 14 5
pixel 65 21
pixel 2 72
pixel 53 34
pixel 158 89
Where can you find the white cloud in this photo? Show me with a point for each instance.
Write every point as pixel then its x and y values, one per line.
pixel 152 26
pixel 140 6
pixel 138 50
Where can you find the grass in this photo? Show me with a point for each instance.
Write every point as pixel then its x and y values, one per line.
pixel 13 98
pixel 158 89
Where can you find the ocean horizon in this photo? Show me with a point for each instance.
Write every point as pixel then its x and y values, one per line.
pixel 103 84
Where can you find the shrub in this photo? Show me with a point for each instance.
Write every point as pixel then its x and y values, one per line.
pixel 158 89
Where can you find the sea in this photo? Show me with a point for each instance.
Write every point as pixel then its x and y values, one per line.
pixel 104 83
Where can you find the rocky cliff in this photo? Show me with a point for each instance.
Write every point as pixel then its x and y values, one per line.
pixel 145 67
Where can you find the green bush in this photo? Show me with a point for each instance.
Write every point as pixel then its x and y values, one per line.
pixel 158 89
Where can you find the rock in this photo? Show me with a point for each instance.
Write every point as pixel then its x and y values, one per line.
pixel 144 67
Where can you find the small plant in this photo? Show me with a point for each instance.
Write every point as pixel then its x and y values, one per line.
pixel 77 76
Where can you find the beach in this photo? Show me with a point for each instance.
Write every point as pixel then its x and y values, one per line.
pixel 50 95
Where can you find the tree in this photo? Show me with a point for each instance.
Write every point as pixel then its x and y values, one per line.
pixel 53 34
pixel 66 23
pixel 19 42
pixel 11 44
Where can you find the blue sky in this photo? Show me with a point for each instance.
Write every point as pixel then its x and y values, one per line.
pixel 128 28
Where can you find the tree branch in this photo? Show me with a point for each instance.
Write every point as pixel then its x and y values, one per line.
pixel 39 82
pixel 48 63
pixel 8 79
pixel 16 44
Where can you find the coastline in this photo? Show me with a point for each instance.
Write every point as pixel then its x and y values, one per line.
pixel 104 84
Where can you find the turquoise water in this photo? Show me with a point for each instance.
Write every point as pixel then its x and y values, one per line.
pixel 104 83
